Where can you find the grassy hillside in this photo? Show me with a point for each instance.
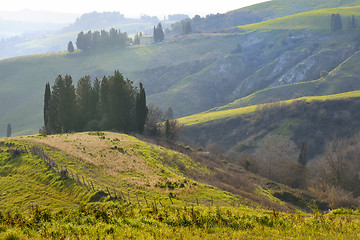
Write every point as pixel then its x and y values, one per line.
pixel 101 166
pixel 317 20
pixel 314 120
pixel 280 8
pixel 342 79
pixel 225 112
pixel 119 187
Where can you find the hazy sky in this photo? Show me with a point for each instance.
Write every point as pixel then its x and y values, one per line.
pixel 130 8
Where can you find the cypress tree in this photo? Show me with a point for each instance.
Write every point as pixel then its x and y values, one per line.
pixel 70 47
pixel 80 41
pixel 303 154
pixel 336 23
pixel 332 26
pixel 54 109
pixel 83 93
pixel 68 105
pixel 353 23
pixel 47 97
pixel 158 33
pixel 141 109
pixel 8 130
pixel 95 99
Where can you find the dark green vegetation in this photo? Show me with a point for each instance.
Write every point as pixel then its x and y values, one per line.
pixel 101 39
pixel 112 103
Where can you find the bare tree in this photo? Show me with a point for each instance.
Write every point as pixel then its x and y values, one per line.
pixel 153 122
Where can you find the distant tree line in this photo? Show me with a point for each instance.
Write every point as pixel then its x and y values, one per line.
pixel 101 39
pixel 100 20
pixel 214 22
pixel 336 23
pixel 112 103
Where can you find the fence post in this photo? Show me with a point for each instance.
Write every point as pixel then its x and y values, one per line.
pixel 170 199
pixel 138 201
pixel 146 201
pixel 108 191
pixel 84 181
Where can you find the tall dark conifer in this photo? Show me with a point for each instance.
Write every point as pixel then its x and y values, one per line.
pixel 141 109
pixel 159 33
pixel 57 89
pixel 83 93
pixel 303 154
pixel 8 130
pixel 47 97
pixel 336 23
pixel 70 47
pixel 68 105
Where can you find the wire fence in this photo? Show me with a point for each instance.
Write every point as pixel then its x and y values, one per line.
pixel 65 173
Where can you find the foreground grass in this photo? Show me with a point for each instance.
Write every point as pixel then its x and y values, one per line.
pixel 117 221
pixel 224 112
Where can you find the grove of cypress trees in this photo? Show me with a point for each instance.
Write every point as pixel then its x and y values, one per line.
pixel 110 104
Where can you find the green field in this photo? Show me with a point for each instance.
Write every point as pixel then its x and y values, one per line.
pixel 314 20
pixel 281 8
pixel 220 113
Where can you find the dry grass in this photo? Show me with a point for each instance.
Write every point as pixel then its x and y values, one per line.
pixel 117 154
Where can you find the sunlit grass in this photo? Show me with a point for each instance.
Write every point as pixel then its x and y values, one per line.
pixel 216 114
pixel 318 19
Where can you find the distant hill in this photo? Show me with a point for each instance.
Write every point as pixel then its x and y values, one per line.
pixel 281 8
pixel 317 19
pixel 261 12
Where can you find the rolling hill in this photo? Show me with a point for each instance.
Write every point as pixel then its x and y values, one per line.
pixel 281 8
pixel 73 169
pixel 315 120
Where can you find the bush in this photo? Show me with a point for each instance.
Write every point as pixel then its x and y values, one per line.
pixel 64 174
